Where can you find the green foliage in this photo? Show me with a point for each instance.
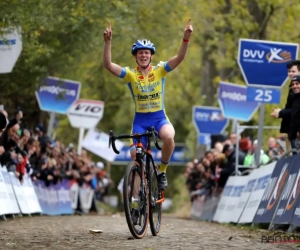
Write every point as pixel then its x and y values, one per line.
pixel 64 39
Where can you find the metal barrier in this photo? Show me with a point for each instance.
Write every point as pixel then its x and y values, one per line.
pixel 288 152
pixel 247 172
pixel 278 157
pixel 236 172
pixel 250 169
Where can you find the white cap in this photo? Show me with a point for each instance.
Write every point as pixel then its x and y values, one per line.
pixel 100 165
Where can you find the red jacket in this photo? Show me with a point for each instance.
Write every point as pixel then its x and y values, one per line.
pixel 20 167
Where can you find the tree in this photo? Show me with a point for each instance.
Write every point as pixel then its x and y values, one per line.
pixel 55 34
pixel 64 39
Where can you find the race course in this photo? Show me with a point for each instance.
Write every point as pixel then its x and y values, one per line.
pixel 73 232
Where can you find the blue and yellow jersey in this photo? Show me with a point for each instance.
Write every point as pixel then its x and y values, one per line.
pixel 147 91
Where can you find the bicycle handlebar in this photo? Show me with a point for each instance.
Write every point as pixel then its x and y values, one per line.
pixel 112 138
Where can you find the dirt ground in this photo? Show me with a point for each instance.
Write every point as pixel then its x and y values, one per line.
pixel 72 232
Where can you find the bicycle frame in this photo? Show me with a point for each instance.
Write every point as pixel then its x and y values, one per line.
pixel 147 166
pixel 151 196
pixel 141 152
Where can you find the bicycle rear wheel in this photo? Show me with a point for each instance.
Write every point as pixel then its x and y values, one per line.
pixel 136 202
pixel 155 196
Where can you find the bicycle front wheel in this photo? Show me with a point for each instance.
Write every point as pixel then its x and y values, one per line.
pixel 155 197
pixel 136 202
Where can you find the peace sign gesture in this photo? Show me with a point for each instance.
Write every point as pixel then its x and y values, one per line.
pixel 188 30
pixel 107 33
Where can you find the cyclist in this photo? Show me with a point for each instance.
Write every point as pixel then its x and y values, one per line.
pixel 146 83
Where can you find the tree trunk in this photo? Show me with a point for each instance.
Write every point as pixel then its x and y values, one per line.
pixel 208 73
pixel 209 68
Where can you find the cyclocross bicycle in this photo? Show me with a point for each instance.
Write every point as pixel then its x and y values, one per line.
pixel 141 196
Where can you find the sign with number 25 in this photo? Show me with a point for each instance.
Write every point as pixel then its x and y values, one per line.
pixel 263 95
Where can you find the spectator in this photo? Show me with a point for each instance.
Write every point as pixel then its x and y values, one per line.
pixel 245 145
pixel 3 125
pixel 9 141
pixel 285 115
pixel 219 147
pixel 39 132
pixel 102 185
pixel 25 135
pixel 188 169
pixel 220 164
pixel 230 165
pixel 233 138
pixel 250 159
pixel 24 151
pixel 272 148
pixel 294 129
pixel 3 121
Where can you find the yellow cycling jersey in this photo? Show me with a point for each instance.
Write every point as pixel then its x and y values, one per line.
pixel 147 91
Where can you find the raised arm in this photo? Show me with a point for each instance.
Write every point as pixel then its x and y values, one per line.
pixel 176 60
pixel 110 66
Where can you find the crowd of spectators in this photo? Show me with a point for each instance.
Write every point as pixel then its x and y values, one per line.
pixel 32 152
pixel 209 174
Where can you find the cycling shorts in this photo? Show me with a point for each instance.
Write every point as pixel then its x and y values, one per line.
pixel 144 121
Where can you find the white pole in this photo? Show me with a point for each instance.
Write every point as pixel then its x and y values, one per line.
pixel 80 139
pixel 51 123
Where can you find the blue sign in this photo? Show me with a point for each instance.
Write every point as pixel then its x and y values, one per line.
pixel 263 95
pixel 57 95
pixel 204 139
pixel 209 120
pixel 178 157
pixel 264 62
pixel 233 101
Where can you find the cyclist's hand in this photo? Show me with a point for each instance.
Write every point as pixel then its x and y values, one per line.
pixel 107 33
pixel 188 30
